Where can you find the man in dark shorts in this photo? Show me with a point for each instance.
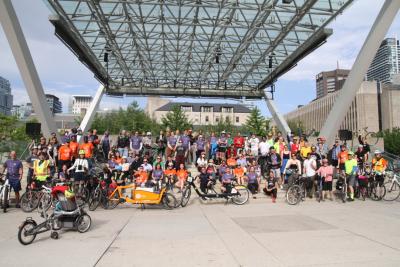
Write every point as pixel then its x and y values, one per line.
pixel 14 169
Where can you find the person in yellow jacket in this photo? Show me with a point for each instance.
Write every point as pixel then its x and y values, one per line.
pixel 41 170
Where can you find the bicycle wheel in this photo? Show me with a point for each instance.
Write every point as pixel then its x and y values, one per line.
pixel 5 199
pixel 392 191
pixel 378 192
pixel 372 137
pixel 44 202
pixel 293 195
pixel 113 200
pixel 243 195
pixel 94 200
pixel 186 196
pixel 29 201
pixel 82 197
pixel 169 201
pixel 23 233
pixel 83 223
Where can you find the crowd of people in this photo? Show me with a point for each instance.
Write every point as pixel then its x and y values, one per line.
pixel 212 157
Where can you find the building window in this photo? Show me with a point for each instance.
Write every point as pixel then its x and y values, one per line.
pixel 217 119
pixel 227 109
pixel 207 119
pixel 186 108
pixel 206 109
pixel 237 119
pixel 227 119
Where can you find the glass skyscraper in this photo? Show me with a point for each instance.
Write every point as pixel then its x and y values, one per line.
pixel 6 99
pixel 386 62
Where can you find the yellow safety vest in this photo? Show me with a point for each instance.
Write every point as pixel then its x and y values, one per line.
pixel 41 170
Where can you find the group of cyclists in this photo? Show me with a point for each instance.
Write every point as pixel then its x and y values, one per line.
pixel 213 158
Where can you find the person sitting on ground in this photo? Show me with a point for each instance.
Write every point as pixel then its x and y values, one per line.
pixel 141 176
pixel 211 169
pixel 226 180
pixel 124 169
pixel 170 175
pixel 222 169
pixel 271 186
pixel 146 165
pixel 157 176
pixel 239 174
pixel 159 161
pixel 253 181
pixel 231 162
pixel 201 161
pixel 182 174
pixel 206 180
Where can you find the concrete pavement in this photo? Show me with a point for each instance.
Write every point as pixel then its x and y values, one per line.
pixel 211 233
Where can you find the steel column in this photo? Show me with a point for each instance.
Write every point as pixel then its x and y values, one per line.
pixel 277 116
pixel 91 112
pixel 23 58
pixel 360 67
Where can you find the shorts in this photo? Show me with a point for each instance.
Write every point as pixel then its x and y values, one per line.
pixel 79 176
pixel 222 149
pixel 341 167
pixel 351 180
pixel 380 179
pixel 327 186
pixel 15 184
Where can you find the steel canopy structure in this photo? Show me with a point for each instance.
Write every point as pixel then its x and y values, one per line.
pixel 224 48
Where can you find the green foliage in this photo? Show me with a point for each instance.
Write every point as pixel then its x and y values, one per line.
pixel 131 118
pixel 222 125
pixel 296 127
pixel 256 123
pixel 176 119
pixel 11 129
pixel 392 141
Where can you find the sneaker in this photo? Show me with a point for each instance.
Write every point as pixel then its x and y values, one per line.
pixel 254 197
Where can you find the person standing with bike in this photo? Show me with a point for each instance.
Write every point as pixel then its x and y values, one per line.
pixel 80 167
pixel 351 167
pixel 41 170
pixel 310 167
pixel 379 165
pixel 14 170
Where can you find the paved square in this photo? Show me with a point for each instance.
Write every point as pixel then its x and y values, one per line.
pixel 259 233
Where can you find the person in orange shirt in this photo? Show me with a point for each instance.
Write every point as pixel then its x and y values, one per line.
pixel 64 155
pixel 182 175
pixel 342 157
pixel 231 162
pixel 141 177
pixel 74 145
pixel 239 174
pixel 87 147
pixel 117 159
pixel 170 175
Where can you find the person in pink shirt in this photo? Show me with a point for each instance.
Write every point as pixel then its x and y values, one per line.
pixel 326 172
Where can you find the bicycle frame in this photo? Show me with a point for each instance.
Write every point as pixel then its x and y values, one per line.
pixel 2 188
pixel 215 195
pixel 139 195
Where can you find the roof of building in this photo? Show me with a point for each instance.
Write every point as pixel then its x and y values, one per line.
pixel 196 107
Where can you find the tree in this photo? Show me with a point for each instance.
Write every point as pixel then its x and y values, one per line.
pixel 392 141
pixel 256 123
pixel 131 118
pixel 176 119
pixel 296 127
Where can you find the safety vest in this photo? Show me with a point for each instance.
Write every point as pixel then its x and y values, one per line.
pixel 41 170
pixel 378 165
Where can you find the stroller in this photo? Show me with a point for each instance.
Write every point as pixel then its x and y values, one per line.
pixel 66 214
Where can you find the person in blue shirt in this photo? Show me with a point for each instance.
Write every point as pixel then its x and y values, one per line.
pixel 14 171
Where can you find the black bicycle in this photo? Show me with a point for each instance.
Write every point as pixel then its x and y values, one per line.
pixel 376 189
pixel 297 191
pixel 238 194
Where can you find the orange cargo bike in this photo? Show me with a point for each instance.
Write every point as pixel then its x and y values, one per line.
pixel 141 195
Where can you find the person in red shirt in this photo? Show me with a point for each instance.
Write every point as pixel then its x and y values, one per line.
pixel 238 142
pixel 295 146
pixel 231 152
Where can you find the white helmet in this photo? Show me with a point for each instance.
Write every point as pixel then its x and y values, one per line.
pixel 377 152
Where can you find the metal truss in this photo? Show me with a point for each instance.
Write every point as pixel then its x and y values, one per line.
pixel 175 44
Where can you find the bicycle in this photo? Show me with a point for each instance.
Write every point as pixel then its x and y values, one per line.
pixel 367 135
pixel 341 187
pixel 39 198
pixel 376 190
pixel 320 181
pixel 98 196
pixel 4 194
pixel 296 192
pixel 392 186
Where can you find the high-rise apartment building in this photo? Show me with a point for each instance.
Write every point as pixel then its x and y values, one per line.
pixel 6 99
pixel 80 104
pixel 54 103
pixel 330 81
pixel 386 62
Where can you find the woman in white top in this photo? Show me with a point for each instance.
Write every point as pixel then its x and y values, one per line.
pixel 81 167
pixel 202 161
pixel 310 169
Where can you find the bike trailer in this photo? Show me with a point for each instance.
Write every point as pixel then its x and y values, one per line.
pixel 65 197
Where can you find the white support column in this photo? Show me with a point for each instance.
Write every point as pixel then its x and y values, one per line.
pixel 91 112
pixel 23 58
pixel 360 67
pixel 278 118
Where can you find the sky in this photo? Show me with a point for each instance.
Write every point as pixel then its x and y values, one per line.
pixel 63 75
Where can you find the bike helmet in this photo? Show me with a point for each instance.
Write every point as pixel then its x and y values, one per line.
pixel 377 152
pixel 350 153
pixel 81 152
